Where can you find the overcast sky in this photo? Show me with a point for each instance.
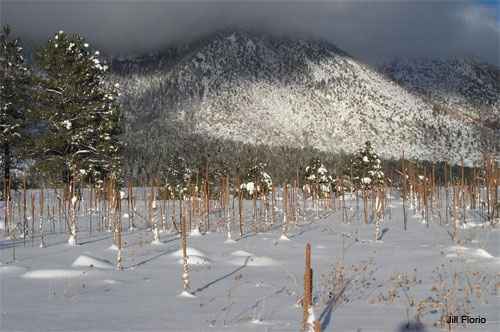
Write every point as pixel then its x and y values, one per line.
pixel 373 31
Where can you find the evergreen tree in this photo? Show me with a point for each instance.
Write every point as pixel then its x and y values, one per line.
pixel 76 108
pixel 13 100
pixel 255 178
pixel 366 168
pixel 317 178
pixel 176 175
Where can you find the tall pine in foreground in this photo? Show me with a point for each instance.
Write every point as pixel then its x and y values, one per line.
pixel 80 123
pixel 13 101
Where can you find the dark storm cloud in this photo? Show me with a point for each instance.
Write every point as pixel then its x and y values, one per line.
pixel 372 31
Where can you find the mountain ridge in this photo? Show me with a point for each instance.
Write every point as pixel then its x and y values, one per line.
pixel 259 89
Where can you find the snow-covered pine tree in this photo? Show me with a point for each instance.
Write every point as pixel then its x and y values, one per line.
pixel 76 109
pixel 176 175
pixel 366 168
pixel 317 178
pixel 13 100
pixel 255 177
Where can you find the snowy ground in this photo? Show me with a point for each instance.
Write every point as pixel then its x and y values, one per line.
pixel 54 288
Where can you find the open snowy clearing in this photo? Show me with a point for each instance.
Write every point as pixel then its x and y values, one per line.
pixel 254 283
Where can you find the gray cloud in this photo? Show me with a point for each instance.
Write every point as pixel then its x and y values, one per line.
pixel 372 31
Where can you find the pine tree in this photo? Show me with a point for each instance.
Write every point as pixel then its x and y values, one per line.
pixel 255 178
pixel 13 100
pixel 76 107
pixel 176 175
pixel 317 178
pixel 366 168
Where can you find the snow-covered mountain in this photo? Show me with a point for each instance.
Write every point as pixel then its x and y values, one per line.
pixel 466 86
pixel 264 90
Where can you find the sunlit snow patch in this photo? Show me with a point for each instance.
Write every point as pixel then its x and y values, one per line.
pixel 241 253
pixel 186 294
pixel 113 247
pixel 190 252
pixel 86 261
pixel 52 274
pixel 284 238
pixel 194 260
pixel 465 252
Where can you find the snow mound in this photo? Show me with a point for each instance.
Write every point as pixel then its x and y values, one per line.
pixel 157 243
pixel 253 261
pixel 241 253
pixel 190 252
pixel 480 253
pixel 465 252
pixel 284 238
pixel 86 261
pixel 11 269
pixel 52 274
pixel 186 294
pixel 113 247
pixel 194 260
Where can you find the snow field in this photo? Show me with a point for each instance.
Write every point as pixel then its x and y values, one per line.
pixel 60 290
